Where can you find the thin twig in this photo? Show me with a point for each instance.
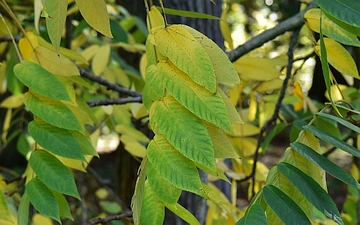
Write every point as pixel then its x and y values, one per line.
pixel 108 84
pixel 287 25
pixel 9 39
pixel 275 115
pixel 110 218
pixel 114 101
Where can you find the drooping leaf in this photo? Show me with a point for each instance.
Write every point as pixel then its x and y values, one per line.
pixel 195 98
pixel 183 213
pixel 224 69
pixel 120 35
pixel 133 146
pixel 54 63
pixel 256 68
pixel 254 215
pixel 100 22
pixel 341 121
pixel 101 59
pixel 13 101
pixel 56 140
pixel 55 22
pixel 339 57
pixel 232 112
pixel 52 111
pixel 174 121
pixel 63 205
pixel 190 14
pixel 330 28
pixel 285 208
pixel 174 167
pixel 161 187
pixel 344 10
pixel 42 198
pixel 325 164
pixel 4 210
pixel 312 191
pixel 176 43
pixel 41 81
pixel 23 211
pixel 152 210
pixel 137 199
pixel 53 173
pixel 154 19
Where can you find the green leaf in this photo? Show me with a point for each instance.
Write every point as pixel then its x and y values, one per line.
pixel 174 121
pixel 165 191
pixel 137 199
pixel 41 81
pixel 63 205
pixel 55 21
pixel 86 147
pixel 312 191
pixel 190 14
pixel 255 215
pixel 183 213
pixel 4 210
pixel 224 69
pixel 325 164
pixel 333 140
pixel 52 111
pixel 53 173
pixel 110 207
pixel 172 166
pixel 56 140
pixel 23 211
pixel 96 15
pixel 118 32
pixel 344 10
pixel 153 210
pixel 176 43
pixel 195 98
pixel 286 209
pixel 341 121
pixel 43 199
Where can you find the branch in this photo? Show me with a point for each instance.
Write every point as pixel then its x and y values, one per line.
pixel 127 213
pixel 108 84
pixel 275 115
pixel 8 39
pixel 114 101
pixel 290 24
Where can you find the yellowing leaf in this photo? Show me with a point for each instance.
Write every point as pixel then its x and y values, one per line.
pixel 13 101
pixel 339 57
pixel 274 84
pixel 101 59
pixel 55 22
pixel 176 43
pixel 252 107
pixel 298 93
pixel 39 219
pixel 256 68
pixel 95 14
pixel 243 130
pixel 27 45
pixel 90 51
pixel 133 146
pixel 56 64
pixel 154 19
pixel 224 27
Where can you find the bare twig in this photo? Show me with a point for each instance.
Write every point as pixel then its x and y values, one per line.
pixel 9 39
pixel 275 115
pixel 290 24
pixel 127 213
pixel 108 84
pixel 114 101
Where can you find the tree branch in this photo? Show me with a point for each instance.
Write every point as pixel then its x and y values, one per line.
pixel 108 84
pixel 290 24
pixel 127 213
pixel 114 101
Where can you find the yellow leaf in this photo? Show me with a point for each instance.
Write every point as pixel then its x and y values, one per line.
pixel 269 85
pixel 37 10
pixel 224 27
pixel 101 59
pixel 95 14
pixel 298 93
pixel 252 107
pixel 336 92
pixel 154 19
pixel 3 67
pixel 89 52
pixel 73 163
pixel 54 63
pixel 244 130
pixel 13 101
pixel 27 45
pixel 6 124
pixel 39 219
pixel 183 50
pixel 232 111
pixel 256 68
pixel 133 146
pixel 339 57
pixel 143 65
pixel 132 132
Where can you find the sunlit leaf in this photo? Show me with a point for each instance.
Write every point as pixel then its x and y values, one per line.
pixel 174 167
pixel 42 199
pixel 286 209
pixel 154 19
pixel 53 173
pixel 176 43
pixel 174 121
pixel 153 210
pixel 90 8
pixel 31 73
